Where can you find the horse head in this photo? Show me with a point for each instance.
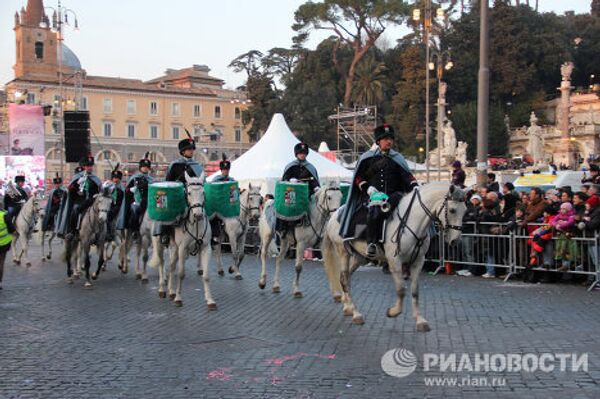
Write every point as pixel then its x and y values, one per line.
pixel 329 197
pixel 255 201
pixel 103 201
pixel 451 215
pixel 194 191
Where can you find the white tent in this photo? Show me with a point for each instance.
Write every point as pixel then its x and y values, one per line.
pixel 264 163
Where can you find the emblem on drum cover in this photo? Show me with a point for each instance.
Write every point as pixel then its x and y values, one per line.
pixel 290 196
pixel 234 195
pixel 161 200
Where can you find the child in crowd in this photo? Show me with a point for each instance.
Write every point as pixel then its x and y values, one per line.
pixel 541 236
pixel 566 249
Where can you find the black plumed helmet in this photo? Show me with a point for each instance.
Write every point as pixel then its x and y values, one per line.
pixel 19 179
pixel 116 173
pixel 145 161
pixel 57 180
pixel 225 163
pixel 301 148
pixel 87 160
pixel 383 131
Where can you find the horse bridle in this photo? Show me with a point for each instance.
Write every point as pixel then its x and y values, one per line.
pixel 198 205
pixel 326 209
pixel 251 208
pixel 435 217
pixel 198 240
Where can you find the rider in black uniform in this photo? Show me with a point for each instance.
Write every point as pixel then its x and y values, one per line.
pixel 14 202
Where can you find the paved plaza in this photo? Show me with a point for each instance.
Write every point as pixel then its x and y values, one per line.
pixel 120 340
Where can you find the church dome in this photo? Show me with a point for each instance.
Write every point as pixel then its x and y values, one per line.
pixel 69 59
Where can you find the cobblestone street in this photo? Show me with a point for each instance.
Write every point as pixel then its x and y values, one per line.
pixel 120 340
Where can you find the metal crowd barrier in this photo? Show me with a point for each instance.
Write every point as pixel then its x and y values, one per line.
pixel 506 248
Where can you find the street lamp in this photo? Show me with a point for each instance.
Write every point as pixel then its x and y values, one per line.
pixel 424 16
pixel 60 17
pixel 440 61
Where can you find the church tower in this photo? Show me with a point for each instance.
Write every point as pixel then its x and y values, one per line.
pixel 36 44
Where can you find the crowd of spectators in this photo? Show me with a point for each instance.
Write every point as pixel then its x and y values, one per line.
pixel 546 221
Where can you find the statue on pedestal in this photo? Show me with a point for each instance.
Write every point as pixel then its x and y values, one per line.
pixel 461 152
pixel 535 147
pixel 449 147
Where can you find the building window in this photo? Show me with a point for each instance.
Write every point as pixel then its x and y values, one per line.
pixel 218 111
pixel 238 113
pixel 107 129
pixel 83 103
pixel 197 110
pixel 130 156
pixel 131 107
pixel 215 135
pixel 39 50
pixel 56 127
pixel 130 130
pixel 175 109
pixel 107 105
pixel 238 134
pixel 153 108
pixel 30 98
pixel 106 155
pixel 175 131
pixel 153 131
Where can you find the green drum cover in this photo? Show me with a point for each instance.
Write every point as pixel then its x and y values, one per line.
pixel 345 189
pixel 222 199
pixel 166 201
pixel 291 200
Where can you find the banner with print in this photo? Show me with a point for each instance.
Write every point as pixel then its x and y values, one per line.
pixel 32 167
pixel 26 125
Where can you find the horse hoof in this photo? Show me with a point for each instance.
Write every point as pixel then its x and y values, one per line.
pixel 230 270
pixel 87 285
pixel 348 312
pixel 43 259
pixel 262 285
pixel 212 306
pixel 239 277
pixel 49 257
pixel 76 276
pixel 423 327
pixel 138 276
pixel 103 268
pixel 171 297
pixel 221 273
pixel 358 320
pixel 337 298
pixel 162 294
pixel 17 262
pixel 276 290
pixel 390 313
pixel 178 303
pixel 200 272
pixel 298 294
pixel 144 280
pixel 27 264
pixel 94 276
pixel 123 271
pixel 70 280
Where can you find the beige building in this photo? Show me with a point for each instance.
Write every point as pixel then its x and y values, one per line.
pixel 127 116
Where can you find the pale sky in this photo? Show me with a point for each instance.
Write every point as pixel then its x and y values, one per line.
pixel 142 38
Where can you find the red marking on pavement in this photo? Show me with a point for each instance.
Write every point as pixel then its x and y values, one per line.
pixel 279 361
pixel 221 374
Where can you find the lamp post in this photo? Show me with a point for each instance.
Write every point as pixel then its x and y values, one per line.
pixel 60 17
pixel 440 61
pixel 426 20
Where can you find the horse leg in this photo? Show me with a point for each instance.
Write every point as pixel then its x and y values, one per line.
pixel 42 237
pixel 125 247
pixel 299 259
pixel 174 250
pixel 204 259
pixel 138 253
pixel 84 253
pixel 396 269
pixel 68 251
pixel 218 259
pixel 158 254
pixel 236 256
pixel 101 261
pixel 264 252
pixel 52 235
pixel 14 249
pixel 25 250
pixel 331 264
pixel 285 244
pixel 422 324
pixel 145 257
pixel 349 265
pixel 180 274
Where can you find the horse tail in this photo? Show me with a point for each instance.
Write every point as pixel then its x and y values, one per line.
pixel 331 264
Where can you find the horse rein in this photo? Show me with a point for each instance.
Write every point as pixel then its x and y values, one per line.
pixel 198 241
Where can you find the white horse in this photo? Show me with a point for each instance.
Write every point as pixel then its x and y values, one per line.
pixel 142 243
pixel 406 243
pixel 236 229
pixel 190 237
pixel 92 231
pixel 24 226
pixel 306 234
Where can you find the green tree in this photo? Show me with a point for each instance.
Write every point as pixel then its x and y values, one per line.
pixel 248 62
pixel 356 24
pixel 464 118
pixel 370 78
pixel 265 102
pixel 281 62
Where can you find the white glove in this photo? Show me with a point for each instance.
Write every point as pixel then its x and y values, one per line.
pixel 293 180
pixel 581 226
pixel 371 190
pixel 133 189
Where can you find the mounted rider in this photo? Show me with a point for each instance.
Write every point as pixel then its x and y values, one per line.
pixel 136 198
pixel 80 196
pixel 118 194
pixel 382 176
pixel 176 172
pixel 14 199
pixel 302 171
pixel 216 222
pixel 56 197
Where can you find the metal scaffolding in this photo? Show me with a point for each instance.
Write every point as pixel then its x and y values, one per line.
pixel 354 131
